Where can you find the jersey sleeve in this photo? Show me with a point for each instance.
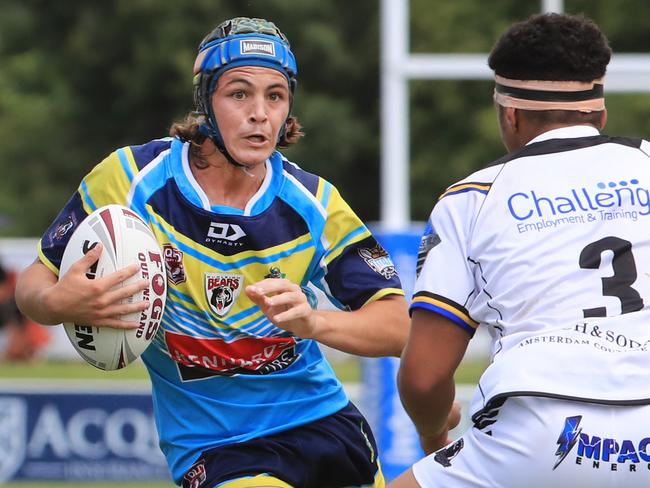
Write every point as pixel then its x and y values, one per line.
pixel 354 268
pixel 445 281
pixel 108 182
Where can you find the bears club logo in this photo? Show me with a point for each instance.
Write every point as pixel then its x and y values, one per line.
pixel 222 290
pixel 174 264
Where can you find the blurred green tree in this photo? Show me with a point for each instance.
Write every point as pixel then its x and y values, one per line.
pixel 454 129
pixel 82 77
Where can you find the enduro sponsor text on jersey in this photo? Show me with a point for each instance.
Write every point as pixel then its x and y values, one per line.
pixel 246 355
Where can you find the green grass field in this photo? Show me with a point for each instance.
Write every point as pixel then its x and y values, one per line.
pixel 348 370
pixel 69 370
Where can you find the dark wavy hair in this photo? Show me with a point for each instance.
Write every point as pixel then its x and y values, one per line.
pixel 552 46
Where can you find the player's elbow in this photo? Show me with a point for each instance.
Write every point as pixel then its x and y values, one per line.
pixel 30 293
pixel 395 316
pixel 418 379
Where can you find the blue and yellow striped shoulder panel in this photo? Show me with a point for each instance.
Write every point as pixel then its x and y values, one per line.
pixel 467 187
pixel 445 307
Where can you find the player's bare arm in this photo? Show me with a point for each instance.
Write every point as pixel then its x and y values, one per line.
pixel 434 350
pixel 75 298
pixel 377 329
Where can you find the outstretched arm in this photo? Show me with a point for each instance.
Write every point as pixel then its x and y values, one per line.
pixel 425 380
pixel 74 298
pixel 377 329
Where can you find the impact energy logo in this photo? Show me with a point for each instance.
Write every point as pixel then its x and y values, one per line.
pixel 599 451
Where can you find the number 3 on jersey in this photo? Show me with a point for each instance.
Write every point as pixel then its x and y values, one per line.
pixel 620 284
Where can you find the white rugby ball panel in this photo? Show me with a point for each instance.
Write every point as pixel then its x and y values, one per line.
pixel 126 239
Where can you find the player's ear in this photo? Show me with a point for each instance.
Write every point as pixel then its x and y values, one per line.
pixel 603 119
pixel 511 117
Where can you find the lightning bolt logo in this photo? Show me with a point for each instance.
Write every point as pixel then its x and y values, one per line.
pixel 568 438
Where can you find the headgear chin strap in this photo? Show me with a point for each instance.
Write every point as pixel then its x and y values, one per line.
pixel 238 42
pixel 549 94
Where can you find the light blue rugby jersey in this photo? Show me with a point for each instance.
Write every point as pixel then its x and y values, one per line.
pixel 221 372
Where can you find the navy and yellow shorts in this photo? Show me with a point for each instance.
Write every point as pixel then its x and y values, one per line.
pixel 336 451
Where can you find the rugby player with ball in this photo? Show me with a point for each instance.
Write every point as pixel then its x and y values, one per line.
pixel 242 393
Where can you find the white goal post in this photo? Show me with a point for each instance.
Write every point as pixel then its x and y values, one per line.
pixel 626 73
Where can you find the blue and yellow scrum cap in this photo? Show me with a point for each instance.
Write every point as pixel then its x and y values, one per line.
pixel 241 41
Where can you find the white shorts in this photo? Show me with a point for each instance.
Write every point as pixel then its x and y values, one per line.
pixel 544 442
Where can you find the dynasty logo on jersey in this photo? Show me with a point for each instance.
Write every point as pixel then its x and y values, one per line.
pixel 378 260
pixel 222 290
pixel 225 234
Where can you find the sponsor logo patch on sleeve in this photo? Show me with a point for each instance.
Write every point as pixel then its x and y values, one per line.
pixel 430 239
pixel 378 260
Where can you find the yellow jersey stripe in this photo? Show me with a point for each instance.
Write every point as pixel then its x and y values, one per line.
pixel 465 187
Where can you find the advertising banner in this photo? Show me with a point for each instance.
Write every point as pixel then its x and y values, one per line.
pixel 60 432
pixel 397 439
pixel 398 442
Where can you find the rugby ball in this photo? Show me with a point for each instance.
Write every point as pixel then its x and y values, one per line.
pixel 126 239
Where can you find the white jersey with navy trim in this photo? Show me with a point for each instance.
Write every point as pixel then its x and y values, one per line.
pixel 549 249
pixel 563 444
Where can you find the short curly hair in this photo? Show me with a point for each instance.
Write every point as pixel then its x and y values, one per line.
pixel 557 47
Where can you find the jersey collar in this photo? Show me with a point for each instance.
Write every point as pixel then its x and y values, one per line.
pixel 191 189
pixel 566 133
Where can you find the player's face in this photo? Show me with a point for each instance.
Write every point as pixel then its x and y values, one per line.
pixel 251 104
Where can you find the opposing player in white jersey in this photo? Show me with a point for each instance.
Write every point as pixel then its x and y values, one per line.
pixel 548 249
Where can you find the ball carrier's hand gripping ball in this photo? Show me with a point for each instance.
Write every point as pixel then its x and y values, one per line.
pixel 238 42
pixel 126 239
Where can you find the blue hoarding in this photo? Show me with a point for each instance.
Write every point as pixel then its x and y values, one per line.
pixel 57 432
pixel 398 442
